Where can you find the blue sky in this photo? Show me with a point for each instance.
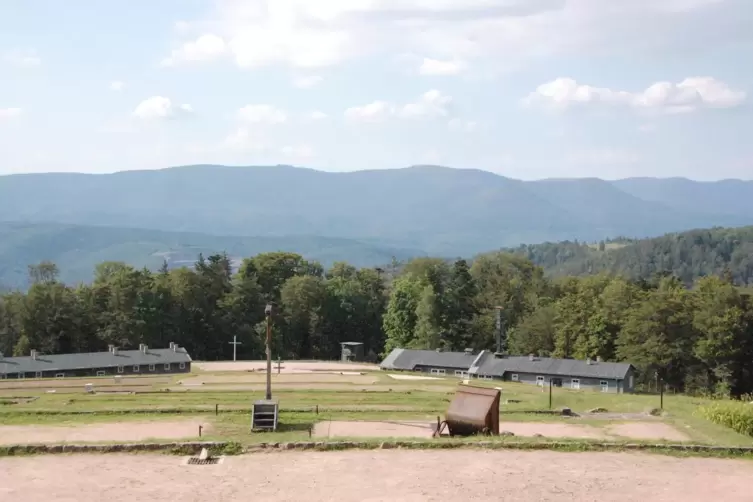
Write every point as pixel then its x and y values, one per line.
pixel 525 88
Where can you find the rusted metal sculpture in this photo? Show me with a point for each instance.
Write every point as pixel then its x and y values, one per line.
pixel 474 410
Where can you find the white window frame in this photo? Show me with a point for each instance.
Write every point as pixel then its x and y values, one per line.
pixel 100 373
pixel 604 384
pixel 136 368
pixel 575 383
pixel 437 371
pixel 167 366
pixel 182 366
pixel 484 377
pixel 38 374
pixel 59 375
pixel 461 373
pixel 631 381
pixel 514 377
pixel 540 380
pixel 121 369
pixel 151 367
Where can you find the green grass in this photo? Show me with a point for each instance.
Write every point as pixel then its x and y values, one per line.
pixel 403 400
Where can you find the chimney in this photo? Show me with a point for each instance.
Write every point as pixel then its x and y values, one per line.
pixel 531 357
pixel 110 348
pixel 588 361
pixel 114 350
pixel 33 354
pixel 144 348
pixel 598 359
pixel 172 344
pixel 175 347
pixel 468 352
pixel 141 347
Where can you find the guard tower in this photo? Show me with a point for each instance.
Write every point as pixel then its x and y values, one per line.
pixel 264 414
pixel 351 352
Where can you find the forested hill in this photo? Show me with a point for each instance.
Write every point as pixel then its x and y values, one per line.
pixel 687 255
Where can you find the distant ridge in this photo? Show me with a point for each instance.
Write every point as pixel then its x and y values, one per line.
pixel 439 210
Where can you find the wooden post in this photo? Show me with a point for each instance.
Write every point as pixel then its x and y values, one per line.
pixel 200 431
pixel 550 393
pixel 661 394
pixel 216 409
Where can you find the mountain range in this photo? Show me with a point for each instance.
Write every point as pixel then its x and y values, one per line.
pixel 363 216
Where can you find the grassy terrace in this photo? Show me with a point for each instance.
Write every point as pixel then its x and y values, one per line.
pixel 368 396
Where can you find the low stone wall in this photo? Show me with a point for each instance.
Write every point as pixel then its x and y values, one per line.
pixel 228 448
pixel 183 448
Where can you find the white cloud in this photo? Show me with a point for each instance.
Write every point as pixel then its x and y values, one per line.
pixel 372 112
pixel 204 48
pixel 117 85
pixel 647 128
pixel 689 95
pixel 26 58
pixel 439 67
pixel 316 33
pixel 606 156
pixel 262 114
pixel 432 104
pixel 159 107
pixel 244 140
pixel 462 125
pixel 298 151
pixel 317 115
pixel 9 113
pixel 307 82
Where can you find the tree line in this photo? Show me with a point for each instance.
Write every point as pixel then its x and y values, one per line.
pixel 686 255
pixel 697 339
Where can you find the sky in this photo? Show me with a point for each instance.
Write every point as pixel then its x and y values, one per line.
pixel 528 89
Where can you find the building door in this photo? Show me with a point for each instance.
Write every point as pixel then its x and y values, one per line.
pixel 575 383
pixel 556 382
pixel 540 381
pixel 604 386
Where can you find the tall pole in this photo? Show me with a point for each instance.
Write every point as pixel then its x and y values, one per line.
pixel 268 313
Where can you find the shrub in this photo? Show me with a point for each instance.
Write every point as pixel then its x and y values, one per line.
pixel 736 415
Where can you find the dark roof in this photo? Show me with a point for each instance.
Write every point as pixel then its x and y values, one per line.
pixel 91 360
pixel 485 363
pixel 490 365
pixel 408 359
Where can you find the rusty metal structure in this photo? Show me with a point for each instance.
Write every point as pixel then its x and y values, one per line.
pixel 474 410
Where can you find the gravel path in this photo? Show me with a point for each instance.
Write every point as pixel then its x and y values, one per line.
pixel 371 476
pixel 92 433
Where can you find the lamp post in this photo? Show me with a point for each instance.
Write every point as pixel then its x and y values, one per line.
pixel 268 311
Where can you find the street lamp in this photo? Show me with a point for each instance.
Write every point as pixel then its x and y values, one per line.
pixel 268 312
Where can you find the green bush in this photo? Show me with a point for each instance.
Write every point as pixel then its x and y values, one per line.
pixel 736 415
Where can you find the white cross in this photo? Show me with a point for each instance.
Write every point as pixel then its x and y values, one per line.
pixel 235 344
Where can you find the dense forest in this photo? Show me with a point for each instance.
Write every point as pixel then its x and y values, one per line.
pixel 697 339
pixel 687 256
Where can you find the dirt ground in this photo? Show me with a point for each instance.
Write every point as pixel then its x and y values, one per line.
pixel 287 367
pixel 376 476
pixel 281 379
pixel 648 430
pixel 412 377
pixel 633 430
pixel 373 429
pixel 92 433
